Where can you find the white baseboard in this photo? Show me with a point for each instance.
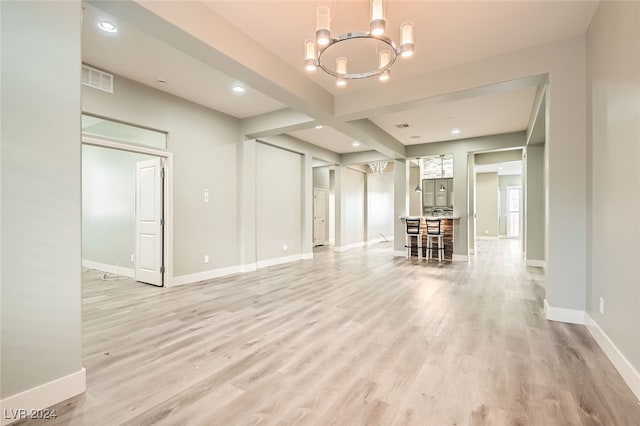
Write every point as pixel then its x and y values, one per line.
pixel 349 247
pixel 619 361
pixel 460 258
pixel 18 406
pixel 571 316
pixel 112 269
pixel 400 253
pixel 486 238
pixel 208 275
pixel 537 263
pixel 378 240
pixel 307 256
pixel 278 260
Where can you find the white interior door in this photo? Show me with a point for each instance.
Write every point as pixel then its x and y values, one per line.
pixel 148 246
pixel 319 216
pixel 513 212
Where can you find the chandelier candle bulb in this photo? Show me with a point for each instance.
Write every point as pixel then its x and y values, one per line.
pixel 330 53
pixel 323 26
pixel 310 55
pixel 377 18
pixel 406 39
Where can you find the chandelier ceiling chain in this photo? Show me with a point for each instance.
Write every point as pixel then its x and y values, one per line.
pixel 317 52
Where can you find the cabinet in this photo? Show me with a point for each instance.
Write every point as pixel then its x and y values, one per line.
pixel 428 192
pixel 437 193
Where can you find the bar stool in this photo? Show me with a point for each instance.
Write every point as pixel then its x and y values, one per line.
pixel 434 231
pixel 413 231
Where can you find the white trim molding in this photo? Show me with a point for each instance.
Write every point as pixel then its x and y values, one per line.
pixel 112 269
pixel 349 247
pixel 537 263
pixel 571 316
pixel 460 258
pixel 20 405
pixel 207 275
pixel 398 253
pixel 617 358
pixel 279 260
pixel 479 237
pixel 378 240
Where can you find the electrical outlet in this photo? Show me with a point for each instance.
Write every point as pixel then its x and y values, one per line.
pixel 486 231
pixel 285 248
pixel 206 258
pixel 602 305
pixel 132 258
pixel 206 195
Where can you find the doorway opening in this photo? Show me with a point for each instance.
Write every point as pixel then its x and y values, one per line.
pixel 126 211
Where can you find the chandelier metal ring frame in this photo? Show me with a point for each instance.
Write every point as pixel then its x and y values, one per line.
pixel 387 51
pixel 355 35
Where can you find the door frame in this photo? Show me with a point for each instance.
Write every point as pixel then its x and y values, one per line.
pixel 167 237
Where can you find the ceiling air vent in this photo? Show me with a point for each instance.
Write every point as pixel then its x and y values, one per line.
pixel 97 79
pixel 402 125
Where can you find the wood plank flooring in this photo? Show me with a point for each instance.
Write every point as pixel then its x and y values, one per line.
pixel 353 338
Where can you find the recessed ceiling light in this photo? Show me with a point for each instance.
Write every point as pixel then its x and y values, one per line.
pixel 238 89
pixel 107 26
pixel 355 143
pixel 455 131
pixel 319 126
pixel 415 137
pixel 161 80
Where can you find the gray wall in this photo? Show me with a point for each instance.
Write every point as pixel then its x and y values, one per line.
pixel 379 206
pixel 503 183
pixel 498 157
pixel 535 203
pixel 487 204
pixel 40 175
pixel 108 205
pixel 204 145
pixel 415 197
pixel 278 202
pixel 614 131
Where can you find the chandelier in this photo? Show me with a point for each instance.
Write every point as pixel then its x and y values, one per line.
pixel 356 54
pixel 377 167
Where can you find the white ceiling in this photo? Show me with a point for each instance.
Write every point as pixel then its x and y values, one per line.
pixel 137 56
pixel 505 168
pixel 330 139
pixel 492 114
pixel 448 33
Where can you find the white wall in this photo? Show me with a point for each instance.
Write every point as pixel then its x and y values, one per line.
pixel 379 206
pixel 278 202
pixel 503 183
pixel 108 205
pixel 352 206
pixel 487 205
pixel 204 145
pixel 40 224
pixel 614 152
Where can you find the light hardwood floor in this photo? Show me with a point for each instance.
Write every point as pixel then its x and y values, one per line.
pixel 355 338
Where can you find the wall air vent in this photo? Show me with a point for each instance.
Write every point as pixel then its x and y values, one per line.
pixel 402 125
pixel 97 79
